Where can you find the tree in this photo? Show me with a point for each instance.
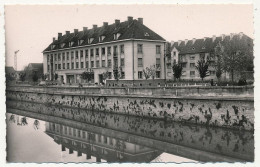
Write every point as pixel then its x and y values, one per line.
pixel 150 72
pixel 35 77
pixel 237 56
pixel 86 75
pixel 218 64
pixel 117 72
pixel 22 76
pixel 202 67
pixel 105 75
pixel 177 70
pixel 45 76
pixel 56 76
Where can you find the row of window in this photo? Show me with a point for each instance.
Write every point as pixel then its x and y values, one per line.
pixel 81 64
pixel 140 62
pixel 89 136
pixel 57 57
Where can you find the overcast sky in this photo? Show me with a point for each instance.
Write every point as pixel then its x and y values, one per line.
pixel 30 29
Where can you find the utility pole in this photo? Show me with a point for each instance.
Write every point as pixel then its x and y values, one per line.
pixel 15 60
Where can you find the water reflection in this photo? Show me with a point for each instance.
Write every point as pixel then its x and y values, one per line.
pixel 134 139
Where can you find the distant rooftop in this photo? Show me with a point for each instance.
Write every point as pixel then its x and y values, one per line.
pixel 207 44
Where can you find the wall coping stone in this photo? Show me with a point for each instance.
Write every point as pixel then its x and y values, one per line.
pixel 220 98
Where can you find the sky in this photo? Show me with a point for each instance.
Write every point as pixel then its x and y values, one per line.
pixel 30 29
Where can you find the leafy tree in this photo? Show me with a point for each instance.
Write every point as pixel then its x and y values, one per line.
pixel 117 72
pixel 219 69
pixel 35 77
pixel 202 67
pixel 45 76
pixel 177 70
pixel 237 56
pixel 218 65
pixel 86 75
pixel 105 75
pixel 9 77
pixel 56 76
pixel 22 76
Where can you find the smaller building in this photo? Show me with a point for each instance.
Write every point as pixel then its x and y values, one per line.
pixel 188 52
pixel 34 69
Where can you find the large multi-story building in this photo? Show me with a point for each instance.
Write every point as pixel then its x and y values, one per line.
pixel 127 46
pixel 188 52
pixel 101 146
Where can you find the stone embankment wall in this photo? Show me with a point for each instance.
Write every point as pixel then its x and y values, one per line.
pixel 238 91
pixel 223 112
pixel 220 141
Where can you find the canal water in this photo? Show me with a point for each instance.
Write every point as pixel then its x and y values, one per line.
pixel 43 133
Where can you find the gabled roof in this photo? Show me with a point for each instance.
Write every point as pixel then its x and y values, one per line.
pixel 38 66
pixel 207 45
pixel 133 29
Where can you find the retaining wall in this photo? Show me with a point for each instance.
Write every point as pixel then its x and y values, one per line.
pixel 223 112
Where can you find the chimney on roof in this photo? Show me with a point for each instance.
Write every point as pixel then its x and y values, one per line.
pixel 204 39
pixel 186 41
pixel 179 42
pixel 172 42
pixel 241 35
pixel 117 22
pixel 193 40
pixel 213 38
pixel 222 37
pixel 129 18
pixel 59 35
pixel 105 24
pixel 67 32
pixel 53 39
pixel 85 29
pixel 76 31
pixel 94 26
pixel 140 20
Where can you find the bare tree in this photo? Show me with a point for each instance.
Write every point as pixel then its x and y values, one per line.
pixel 150 72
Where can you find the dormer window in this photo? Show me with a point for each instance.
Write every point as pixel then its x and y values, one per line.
pixel 116 36
pixel 101 38
pixel 90 40
pixel 62 45
pixel 71 43
pixel 52 46
pixel 80 41
pixel 146 34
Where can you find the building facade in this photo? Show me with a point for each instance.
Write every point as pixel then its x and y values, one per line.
pixel 188 52
pixel 101 146
pixel 128 47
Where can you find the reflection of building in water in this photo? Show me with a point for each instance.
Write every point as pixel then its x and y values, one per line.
pixel 100 146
